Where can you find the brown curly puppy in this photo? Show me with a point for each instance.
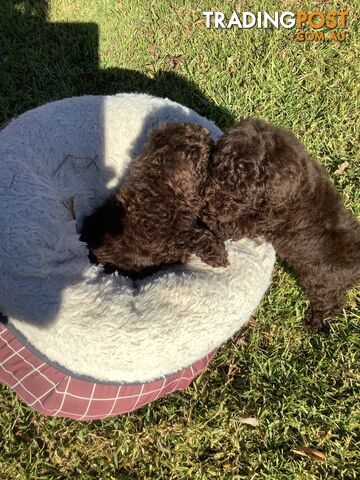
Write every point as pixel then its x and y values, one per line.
pixel 153 219
pixel 264 183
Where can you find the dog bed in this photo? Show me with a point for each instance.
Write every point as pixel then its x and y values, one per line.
pixel 58 163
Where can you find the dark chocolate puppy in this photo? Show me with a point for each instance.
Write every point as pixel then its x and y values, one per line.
pixel 153 219
pixel 264 183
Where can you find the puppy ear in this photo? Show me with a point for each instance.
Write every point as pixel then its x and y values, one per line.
pixel 181 150
pixel 279 169
pixel 179 139
pixel 236 183
pixel 288 170
pixel 224 205
pixel 205 244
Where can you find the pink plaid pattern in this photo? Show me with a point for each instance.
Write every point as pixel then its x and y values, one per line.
pixel 55 393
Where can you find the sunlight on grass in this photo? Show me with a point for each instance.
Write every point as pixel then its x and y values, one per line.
pixel 302 387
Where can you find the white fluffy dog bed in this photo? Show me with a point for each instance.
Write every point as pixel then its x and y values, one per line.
pixel 60 161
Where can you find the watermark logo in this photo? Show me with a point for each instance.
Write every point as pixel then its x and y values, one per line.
pixel 307 24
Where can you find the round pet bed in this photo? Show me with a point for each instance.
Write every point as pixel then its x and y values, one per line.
pixel 58 163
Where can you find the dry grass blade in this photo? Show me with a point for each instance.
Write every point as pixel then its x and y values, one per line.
pixel 341 168
pixel 73 157
pixel 239 7
pixel 153 51
pixel 174 60
pixel 308 452
pixel 254 422
pixel 70 206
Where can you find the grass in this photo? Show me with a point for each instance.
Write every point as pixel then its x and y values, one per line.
pixel 303 387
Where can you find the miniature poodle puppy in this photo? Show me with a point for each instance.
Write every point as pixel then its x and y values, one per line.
pixel 262 182
pixel 153 219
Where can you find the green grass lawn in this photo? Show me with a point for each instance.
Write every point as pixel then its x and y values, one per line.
pixel 302 387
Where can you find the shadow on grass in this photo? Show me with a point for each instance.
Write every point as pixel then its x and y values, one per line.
pixel 42 61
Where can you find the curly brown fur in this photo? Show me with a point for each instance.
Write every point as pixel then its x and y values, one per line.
pixel 152 220
pixel 264 183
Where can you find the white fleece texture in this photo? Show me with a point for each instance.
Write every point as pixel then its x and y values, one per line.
pixel 66 158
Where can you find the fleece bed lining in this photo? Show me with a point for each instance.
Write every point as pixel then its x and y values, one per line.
pixel 61 161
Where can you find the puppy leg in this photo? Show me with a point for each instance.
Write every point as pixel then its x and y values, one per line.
pixel 325 302
pixel 318 319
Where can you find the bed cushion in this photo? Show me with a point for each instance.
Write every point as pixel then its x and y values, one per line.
pixel 58 163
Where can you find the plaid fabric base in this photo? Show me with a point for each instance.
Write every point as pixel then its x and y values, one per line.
pixel 55 393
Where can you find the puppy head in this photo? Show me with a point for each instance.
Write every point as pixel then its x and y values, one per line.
pixel 255 168
pixel 158 201
pixel 180 152
pixel 171 137
pixel 113 242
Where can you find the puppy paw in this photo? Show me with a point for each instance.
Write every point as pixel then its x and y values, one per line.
pixel 207 247
pixel 317 320
pixel 217 262
pixel 214 255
